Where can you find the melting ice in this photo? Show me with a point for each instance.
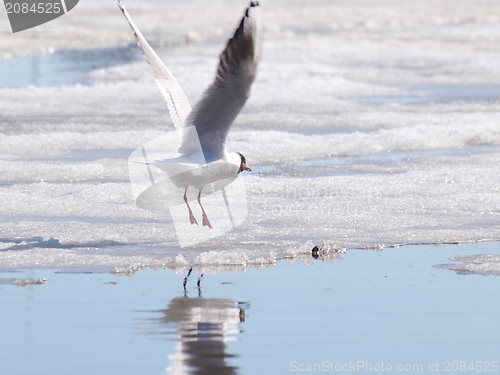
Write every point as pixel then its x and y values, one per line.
pixel 365 129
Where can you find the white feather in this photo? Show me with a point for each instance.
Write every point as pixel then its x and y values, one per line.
pixel 177 102
pixel 203 158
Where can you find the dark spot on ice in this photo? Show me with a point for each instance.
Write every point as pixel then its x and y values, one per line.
pixel 315 252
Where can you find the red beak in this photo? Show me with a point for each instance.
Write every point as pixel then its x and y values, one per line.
pixel 247 169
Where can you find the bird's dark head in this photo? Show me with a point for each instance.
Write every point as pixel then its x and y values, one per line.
pixel 243 165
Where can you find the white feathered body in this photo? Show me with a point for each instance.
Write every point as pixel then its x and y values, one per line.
pixel 203 129
pixel 199 175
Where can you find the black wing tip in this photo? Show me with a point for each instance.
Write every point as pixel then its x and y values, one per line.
pixel 120 5
pixel 253 4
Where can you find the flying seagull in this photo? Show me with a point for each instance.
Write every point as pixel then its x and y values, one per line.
pixel 203 158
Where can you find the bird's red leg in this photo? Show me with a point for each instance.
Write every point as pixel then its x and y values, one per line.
pixel 192 219
pixel 205 217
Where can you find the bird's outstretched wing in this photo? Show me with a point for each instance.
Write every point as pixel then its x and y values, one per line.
pixel 177 102
pixel 220 104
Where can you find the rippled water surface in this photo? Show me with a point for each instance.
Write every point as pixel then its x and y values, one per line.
pixel 396 307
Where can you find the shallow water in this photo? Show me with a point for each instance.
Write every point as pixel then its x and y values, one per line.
pixel 380 308
pixel 63 67
pixel 342 165
pixel 425 93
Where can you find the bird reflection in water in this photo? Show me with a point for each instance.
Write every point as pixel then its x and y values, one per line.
pixel 204 327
